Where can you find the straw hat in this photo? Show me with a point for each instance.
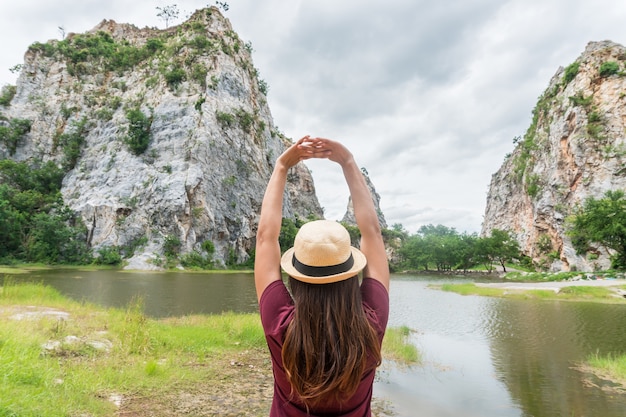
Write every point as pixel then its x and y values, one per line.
pixel 322 254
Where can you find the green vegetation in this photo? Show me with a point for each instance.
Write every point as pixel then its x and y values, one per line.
pixel 569 293
pixel 529 144
pixel 72 143
pixel 56 367
pixel 138 138
pixel 37 226
pixel 92 52
pixel 533 185
pixel 612 367
pixel 447 250
pixel 609 68
pixel 398 348
pixel 241 118
pixel 601 221
pixel 570 72
pixel 12 134
pixel 472 289
pixel 175 76
pixel 7 94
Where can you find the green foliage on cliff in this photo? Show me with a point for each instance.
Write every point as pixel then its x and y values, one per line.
pixel 570 72
pixel 7 94
pixel 609 68
pixel 601 221
pixel 71 143
pixel 139 125
pixel 36 225
pixel 12 134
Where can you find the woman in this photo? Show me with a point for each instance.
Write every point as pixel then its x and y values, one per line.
pixel 325 337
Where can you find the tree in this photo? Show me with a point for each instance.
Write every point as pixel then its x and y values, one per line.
pixel 499 247
pixel 601 221
pixel 223 5
pixel 168 13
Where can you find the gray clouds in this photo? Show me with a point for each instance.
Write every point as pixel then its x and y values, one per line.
pixel 427 95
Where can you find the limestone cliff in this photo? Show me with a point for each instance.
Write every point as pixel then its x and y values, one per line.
pixel 348 217
pixel 575 148
pixel 164 134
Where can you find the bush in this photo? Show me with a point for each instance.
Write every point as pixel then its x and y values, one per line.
pixel 171 246
pixel 579 100
pixel 109 255
pixel 72 143
pixel 7 94
pixel 139 126
pixel 225 119
pixel 12 135
pixel 609 68
pixel 570 72
pixel 195 260
pixel 174 77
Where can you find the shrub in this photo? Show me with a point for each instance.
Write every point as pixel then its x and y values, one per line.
pixel 139 126
pixel 109 255
pixel 225 119
pixel 195 260
pixel 7 94
pixel 174 77
pixel 570 72
pixel 171 246
pixel 579 100
pixel 609 68
pixel 198 74
pixel 12 135
pixel 154 44
pixel 72 143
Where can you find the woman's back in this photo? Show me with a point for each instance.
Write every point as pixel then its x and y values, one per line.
pixel 277 312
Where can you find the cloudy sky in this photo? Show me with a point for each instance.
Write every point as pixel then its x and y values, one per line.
pixel 428 95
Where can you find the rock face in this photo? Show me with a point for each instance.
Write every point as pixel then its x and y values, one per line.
pixel 164 134
pixel 349 216
pixel 575 148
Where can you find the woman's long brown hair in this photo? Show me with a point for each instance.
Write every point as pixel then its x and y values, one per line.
pixel 330 342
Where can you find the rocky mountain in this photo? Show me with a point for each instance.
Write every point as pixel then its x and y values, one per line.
pixel 575 148
pixel 165 135
pixel 349 218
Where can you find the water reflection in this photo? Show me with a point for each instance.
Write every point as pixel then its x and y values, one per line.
pixel 498 357
pixel 163 294
pixel 536 346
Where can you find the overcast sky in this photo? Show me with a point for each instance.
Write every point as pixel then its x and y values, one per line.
pixel 428 95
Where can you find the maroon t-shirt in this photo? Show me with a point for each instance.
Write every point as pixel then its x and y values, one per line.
pixel 277 309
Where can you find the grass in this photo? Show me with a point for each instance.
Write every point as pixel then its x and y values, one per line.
pixel 53 366
pixel 572 293
pixel 397 347
pixel 471 289
pixel 555 276
pixel 612 367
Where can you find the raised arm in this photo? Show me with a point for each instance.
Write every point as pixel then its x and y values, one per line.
pixel 372 244
pixel 267 255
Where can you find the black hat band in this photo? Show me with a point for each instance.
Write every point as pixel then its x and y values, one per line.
pixel 322 271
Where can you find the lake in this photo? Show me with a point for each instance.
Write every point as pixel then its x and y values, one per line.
pixel 483 356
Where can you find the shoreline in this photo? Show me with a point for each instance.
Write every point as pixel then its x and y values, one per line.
pixel 552 285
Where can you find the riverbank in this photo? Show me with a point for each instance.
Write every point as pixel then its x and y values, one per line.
pixel 59 357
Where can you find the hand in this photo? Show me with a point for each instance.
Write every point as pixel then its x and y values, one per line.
pixel 334 151
pixel 305 148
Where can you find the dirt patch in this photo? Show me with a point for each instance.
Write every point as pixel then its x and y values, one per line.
pixel 243 388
